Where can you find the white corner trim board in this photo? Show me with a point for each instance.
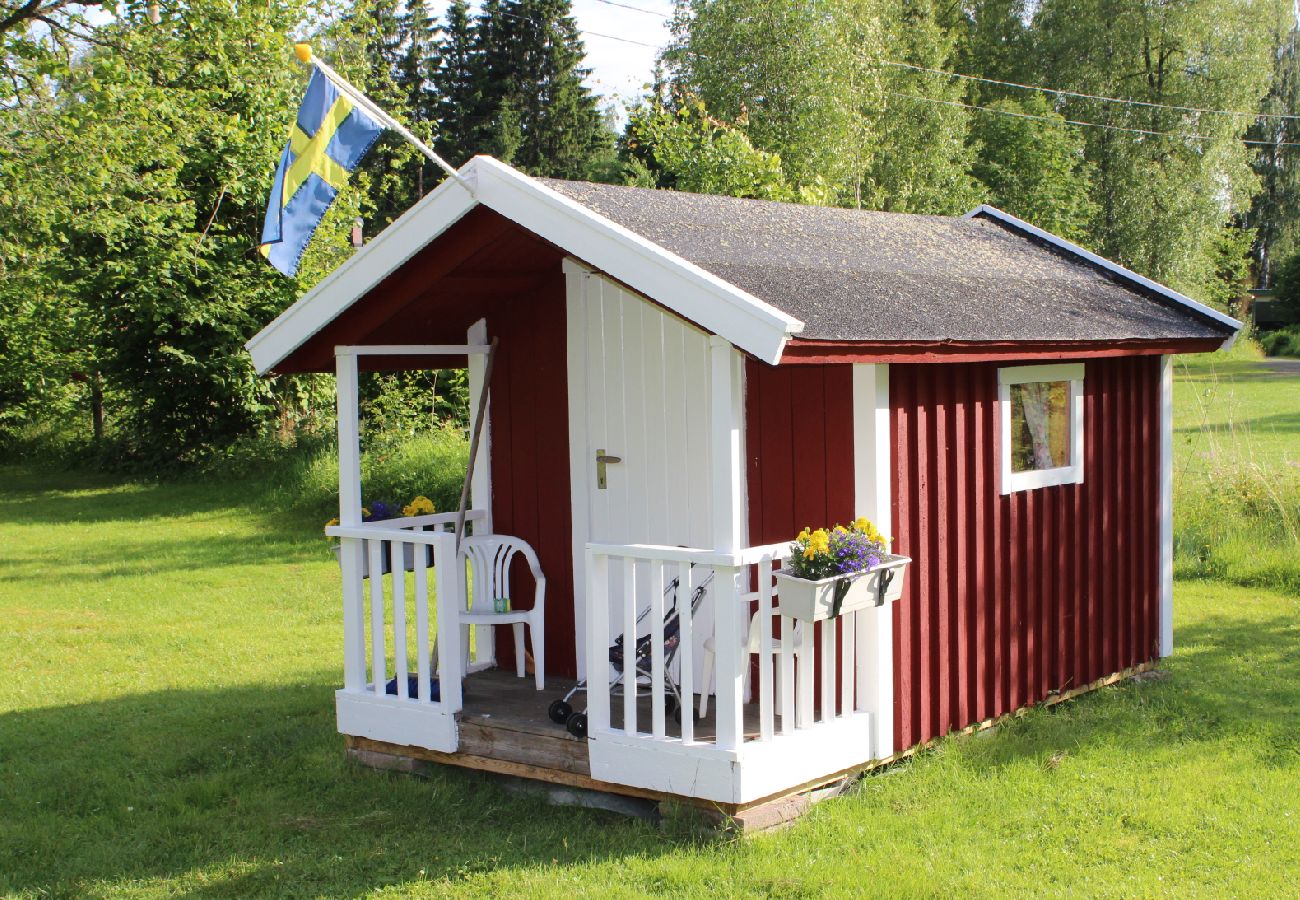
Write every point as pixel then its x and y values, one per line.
pixel 1128 274
pixel 1166 505
pixel 1008 481
pixel 696 295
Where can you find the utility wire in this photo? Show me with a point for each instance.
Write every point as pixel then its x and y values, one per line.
pixel 1064 93
pixel 612 37
pixel 1062 121
pixel 640 9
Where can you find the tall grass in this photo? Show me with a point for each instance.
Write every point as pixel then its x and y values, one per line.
pixel 394 469
pixel 1237 502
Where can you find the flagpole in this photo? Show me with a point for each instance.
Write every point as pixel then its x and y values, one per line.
pixel 304 54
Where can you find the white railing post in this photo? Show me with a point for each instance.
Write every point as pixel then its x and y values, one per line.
pixel 730 659
pixel 378 655
pixel 350 549
pixel 629 645
pixel 597 643
pixel 422 622
pixel 397 563
pixel 685 651
pixel 449 578
pixel 766 722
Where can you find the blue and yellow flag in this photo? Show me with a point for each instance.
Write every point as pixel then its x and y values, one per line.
pixel 326 144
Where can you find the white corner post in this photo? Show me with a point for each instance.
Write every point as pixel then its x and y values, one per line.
pixel 726 449
pixel 349 429
pixel 872 475
pixel 480 485
pixel 1166 505
pixel 576 280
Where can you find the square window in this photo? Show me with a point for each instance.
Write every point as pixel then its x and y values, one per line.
pixel 1041 411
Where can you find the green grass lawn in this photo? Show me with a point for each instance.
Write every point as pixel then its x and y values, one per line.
pixel 166 726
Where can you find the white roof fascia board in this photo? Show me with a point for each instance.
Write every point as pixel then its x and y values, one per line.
pixel 1129 275
pixel 693 293
pixel 700 296
pixel 408 235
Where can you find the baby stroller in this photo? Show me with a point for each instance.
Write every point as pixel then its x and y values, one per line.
pixel 561 711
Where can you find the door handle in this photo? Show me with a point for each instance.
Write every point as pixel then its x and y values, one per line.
pixel 602 460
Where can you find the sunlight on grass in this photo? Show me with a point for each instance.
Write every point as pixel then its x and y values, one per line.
pixel 167 726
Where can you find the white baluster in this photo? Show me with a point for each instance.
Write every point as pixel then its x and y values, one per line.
pixel 828 667
pixel 422 621
pixel 804 705
pixel 396 556
pixel 848 628
pixel 352 554
pixel 657 648
pixel 449 581
pixel 629 645
pixel 766 724
pixel 379 658
pixel 686 651
pixel 788 647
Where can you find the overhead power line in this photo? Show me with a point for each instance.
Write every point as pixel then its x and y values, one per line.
pixel 1064 93
pixel 599 34
pixel 1064 121
pixel 640 9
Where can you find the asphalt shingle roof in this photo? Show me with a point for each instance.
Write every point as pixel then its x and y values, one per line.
pixel 876 276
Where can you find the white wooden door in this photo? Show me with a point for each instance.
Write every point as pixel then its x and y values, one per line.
pixel 638 391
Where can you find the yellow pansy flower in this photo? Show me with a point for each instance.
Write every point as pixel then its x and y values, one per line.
pixel 420 506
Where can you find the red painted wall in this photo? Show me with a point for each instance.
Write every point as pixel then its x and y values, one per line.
pixel 799 444
pixel 1015 597
pixel 530 459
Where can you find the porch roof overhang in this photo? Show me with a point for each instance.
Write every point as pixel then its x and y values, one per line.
pixel 681 286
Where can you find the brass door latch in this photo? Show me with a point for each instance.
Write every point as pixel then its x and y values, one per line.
pixel 603 460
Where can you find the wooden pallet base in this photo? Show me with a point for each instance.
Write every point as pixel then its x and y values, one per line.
pixel 529 753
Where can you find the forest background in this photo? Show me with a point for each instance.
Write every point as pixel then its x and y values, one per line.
pixel 137 141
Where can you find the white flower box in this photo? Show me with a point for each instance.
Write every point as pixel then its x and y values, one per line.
pixel 408 559
pixel 813 601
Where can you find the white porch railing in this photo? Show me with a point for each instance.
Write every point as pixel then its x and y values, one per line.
pixel 398 546
pixel 757 742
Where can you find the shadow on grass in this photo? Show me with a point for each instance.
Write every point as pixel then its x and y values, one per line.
pixel 1284 423
pixel 239 791
pixel 1231 678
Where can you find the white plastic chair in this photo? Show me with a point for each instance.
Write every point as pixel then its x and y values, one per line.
pixel 753 644
pixel 489 558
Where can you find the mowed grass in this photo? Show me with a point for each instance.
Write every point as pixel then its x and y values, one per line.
pixel 166 726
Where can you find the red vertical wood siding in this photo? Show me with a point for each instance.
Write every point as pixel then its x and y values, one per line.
pixel 1012 598
pixel 530 459
pixel 799 444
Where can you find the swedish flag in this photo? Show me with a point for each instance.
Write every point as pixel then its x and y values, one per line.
pixel 326 144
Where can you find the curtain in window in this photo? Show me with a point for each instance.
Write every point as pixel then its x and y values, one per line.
pixel 1035 398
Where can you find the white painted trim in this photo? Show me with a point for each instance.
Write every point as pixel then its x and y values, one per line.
pixel 787 761
pixel 397 243
pixel 1115 268
pixel 575 313
pixel 480 485
pixel 664 765
pixel 727 445
pixel 1010 482
pixel 872 484
pixel 1166 505
pixel 412 723
pixel 695 294
pixel 470 349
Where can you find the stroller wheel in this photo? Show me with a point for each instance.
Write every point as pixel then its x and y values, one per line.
pixel 559 712
pixel 577 725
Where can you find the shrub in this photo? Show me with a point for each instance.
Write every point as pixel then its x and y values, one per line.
pixel 1283 342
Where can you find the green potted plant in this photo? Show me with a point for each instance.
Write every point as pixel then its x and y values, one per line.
pixel 832 571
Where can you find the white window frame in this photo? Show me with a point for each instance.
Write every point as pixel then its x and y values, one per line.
pixel 1010 481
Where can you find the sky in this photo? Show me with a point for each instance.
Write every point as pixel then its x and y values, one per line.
pixel 619 68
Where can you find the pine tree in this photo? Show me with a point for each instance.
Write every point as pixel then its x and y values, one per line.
pixel 531 107
pixel 455 86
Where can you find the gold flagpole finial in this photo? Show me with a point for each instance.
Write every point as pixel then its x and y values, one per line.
pixel 303 52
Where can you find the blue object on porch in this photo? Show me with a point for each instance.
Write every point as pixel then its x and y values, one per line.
pixel 412 686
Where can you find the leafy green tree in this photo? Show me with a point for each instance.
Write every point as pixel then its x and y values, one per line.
pixel 1275 210
pixel 1034 168
pixel 687 150
pixel 1161 201
pixel 793 70
pixel 155 278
